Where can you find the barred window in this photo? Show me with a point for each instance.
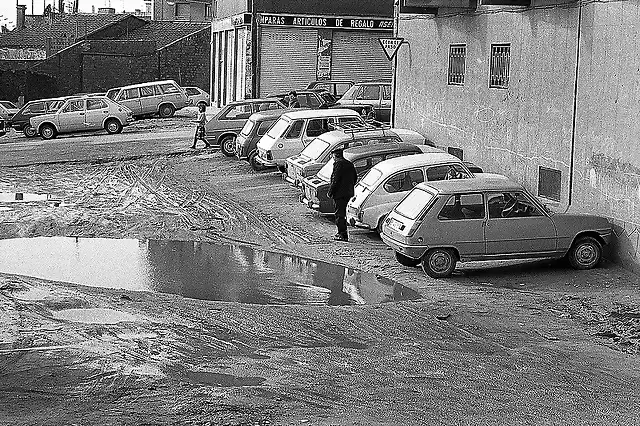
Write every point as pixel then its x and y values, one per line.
pixel 457 58
pixel 499 67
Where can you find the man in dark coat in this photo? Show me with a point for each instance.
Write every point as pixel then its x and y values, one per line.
pixel 343 179
pixel 293 99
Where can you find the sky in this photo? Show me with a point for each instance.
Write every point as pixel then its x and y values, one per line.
pixel 8 7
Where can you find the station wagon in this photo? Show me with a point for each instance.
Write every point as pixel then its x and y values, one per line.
pixel 389 181
pixel 318 152
pixel 441 223
pixel 296 129
pixel 315 188
pixel 369 95
pixel 147 99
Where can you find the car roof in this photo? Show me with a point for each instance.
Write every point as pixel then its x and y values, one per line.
pixel 379 148
pixel 418 160
pixel 488 183
pixel 253 101
pixel 50 99
pixel 320 113
pixel 149 83
pixel 267 114
pixel 373 82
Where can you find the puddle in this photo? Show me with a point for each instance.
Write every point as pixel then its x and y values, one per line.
pixel 224 380
pixel 94 316
pixel 196 270
pixel 22 197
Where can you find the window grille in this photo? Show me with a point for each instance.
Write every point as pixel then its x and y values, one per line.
pixel 549 183
pixel 457 58
pixel 499 67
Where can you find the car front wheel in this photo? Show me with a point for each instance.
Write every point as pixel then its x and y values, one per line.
pixel 167 111
pixel 439 262
pixel 113 126
pixel 226 145
pixel 47 131
pixel 29 131
pixel 255 164
pixel 585 253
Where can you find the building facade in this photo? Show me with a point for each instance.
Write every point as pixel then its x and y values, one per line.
pixel 182 10
pixel 269 47
pixel 545 92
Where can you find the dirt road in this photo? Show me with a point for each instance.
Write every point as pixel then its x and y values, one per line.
pixel 532 343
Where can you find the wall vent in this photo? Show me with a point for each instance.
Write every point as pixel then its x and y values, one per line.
pixel 549 183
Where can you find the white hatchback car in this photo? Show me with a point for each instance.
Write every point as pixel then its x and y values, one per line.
pixel 197 96
pixel 83 114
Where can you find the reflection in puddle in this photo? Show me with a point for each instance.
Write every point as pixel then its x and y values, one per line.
pixel 18 197
pixel 94 316
pixel 197 270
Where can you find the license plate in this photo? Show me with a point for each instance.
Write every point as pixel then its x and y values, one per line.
pixel 396 224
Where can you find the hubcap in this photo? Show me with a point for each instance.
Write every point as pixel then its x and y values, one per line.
pixel 586 254
pixel 440 261
pixel 228 145
pixel 47 132
pixel 113 127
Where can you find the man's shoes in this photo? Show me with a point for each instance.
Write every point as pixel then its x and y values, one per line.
pixel 339 237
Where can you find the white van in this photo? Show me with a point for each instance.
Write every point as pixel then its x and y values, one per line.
pixel 294 130
pixel 147 99
pixel 389 181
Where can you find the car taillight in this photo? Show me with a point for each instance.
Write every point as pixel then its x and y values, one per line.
pixel 269 155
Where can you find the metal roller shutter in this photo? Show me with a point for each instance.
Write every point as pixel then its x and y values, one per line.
pixel 287 59
pixel 358 56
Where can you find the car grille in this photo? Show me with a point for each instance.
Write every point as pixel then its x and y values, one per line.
pixel 292 171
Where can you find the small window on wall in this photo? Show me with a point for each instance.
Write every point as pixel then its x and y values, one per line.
pixel 182 10
pixel 499 66
pixel 207 11
pixel 549 183
pixel 457 58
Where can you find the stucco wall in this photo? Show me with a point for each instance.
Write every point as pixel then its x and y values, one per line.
pixel 514 131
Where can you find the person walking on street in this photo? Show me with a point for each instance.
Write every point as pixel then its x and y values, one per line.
pixel 343 180
pixel 293 99
pixel 201 121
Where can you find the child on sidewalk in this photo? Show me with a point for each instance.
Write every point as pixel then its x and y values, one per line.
pixel 200 130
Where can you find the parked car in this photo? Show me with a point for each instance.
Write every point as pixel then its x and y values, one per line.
pixel 7 110
pixel 314 188
pixel 198 96
pixel 83 114
pixel 441 223
pixel 3 127
pixel 254 128
pixel 336 87
pixel 372 94
pixel 147 99
pixel 308 98
pixel 113 93
pixel 223 128
pixel 21 121
pixel 295 129
pixel 318 152
pixel 389 181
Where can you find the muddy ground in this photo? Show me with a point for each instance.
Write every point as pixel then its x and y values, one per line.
pixel 510 343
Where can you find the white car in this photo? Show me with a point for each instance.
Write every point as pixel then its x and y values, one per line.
pixel 197 96
pixel 7 110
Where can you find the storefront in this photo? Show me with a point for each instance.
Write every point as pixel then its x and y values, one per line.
pixel 293 50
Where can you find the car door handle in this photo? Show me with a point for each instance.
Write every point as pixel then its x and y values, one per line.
pixel 82 113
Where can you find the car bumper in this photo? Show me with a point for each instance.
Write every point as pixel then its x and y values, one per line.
pixel 413 252
pixel 266 163
pixel 353 221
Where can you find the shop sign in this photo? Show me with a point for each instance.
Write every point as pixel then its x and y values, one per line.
pixel 242 19
pixel 358 23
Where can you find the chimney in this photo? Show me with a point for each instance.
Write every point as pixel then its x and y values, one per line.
pixel 21 16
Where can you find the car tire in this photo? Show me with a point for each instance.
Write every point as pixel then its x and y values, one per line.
pixel 227 144
pixel 380 223
pixel 439 262
pixel 407 261
pixel 282 169
pixel 29 131
pixel 585 253
pixel 47 132
pixel 166 111
pixel 255 165
pixel 113 126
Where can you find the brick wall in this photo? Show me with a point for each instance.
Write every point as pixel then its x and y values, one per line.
pixel 187 61
pixel 102 72
pixel 64 69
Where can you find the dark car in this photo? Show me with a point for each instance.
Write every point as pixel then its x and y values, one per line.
pixel 224 127
pixel 3 130
pixel 309 98
pixel 366 95
pixel 254 128
pixel 21 120
pixel 314 189
pixel 336 87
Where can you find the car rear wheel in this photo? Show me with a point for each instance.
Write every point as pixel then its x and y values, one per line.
pixel 113 126
pixel 407 261
pixel 29 131
pixel 226 145
pixel 47 132
pixel 439 262
pixel 255 165
pixel 380 223
pixel 166 111
pixel 585 253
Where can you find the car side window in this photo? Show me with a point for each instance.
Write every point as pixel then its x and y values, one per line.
pixel 93 104
pixel 511 204
pixel 313 101
pixel 264 127
pixel 463 206
pixel 377 159
pixel 146 91
pixel 316 127
pixel 169 88
pixel 191 91
pixel 404 181
pixel 386 92
pixel 74 106
pixel 446 171
pixel 35 108
pixel 370 93
pixel 238 112
pixel 157 91
pixel 129 94
pixel 295 129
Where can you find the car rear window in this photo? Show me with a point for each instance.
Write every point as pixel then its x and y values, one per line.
pixel 264 126
pixel 278 129
pixel 248 126
pixel 112 93
pixel 326 171
pixel 315 149
pixel 8 104
pixel 370 179
pixel 411 206
pixel 169 88
pixel 192 91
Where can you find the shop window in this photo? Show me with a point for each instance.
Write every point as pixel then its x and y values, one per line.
pixel 457 62
pixel 499 66
pixel 549 183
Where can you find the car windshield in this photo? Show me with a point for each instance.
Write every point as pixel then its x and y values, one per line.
pixel 278 129
pixel 111 94
pixel 326 170
pixel 315 149
pixel 371 178
pixel 411 206
pixel 327 98
pixel 8 104
pixel 248 126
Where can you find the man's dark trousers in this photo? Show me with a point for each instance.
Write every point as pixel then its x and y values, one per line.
pixel 341 215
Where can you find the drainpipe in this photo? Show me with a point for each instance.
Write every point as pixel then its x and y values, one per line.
pixel 575 107
pixel 394 71
pixel 254 50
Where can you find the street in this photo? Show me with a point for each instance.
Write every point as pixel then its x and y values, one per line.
pixel 532 342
